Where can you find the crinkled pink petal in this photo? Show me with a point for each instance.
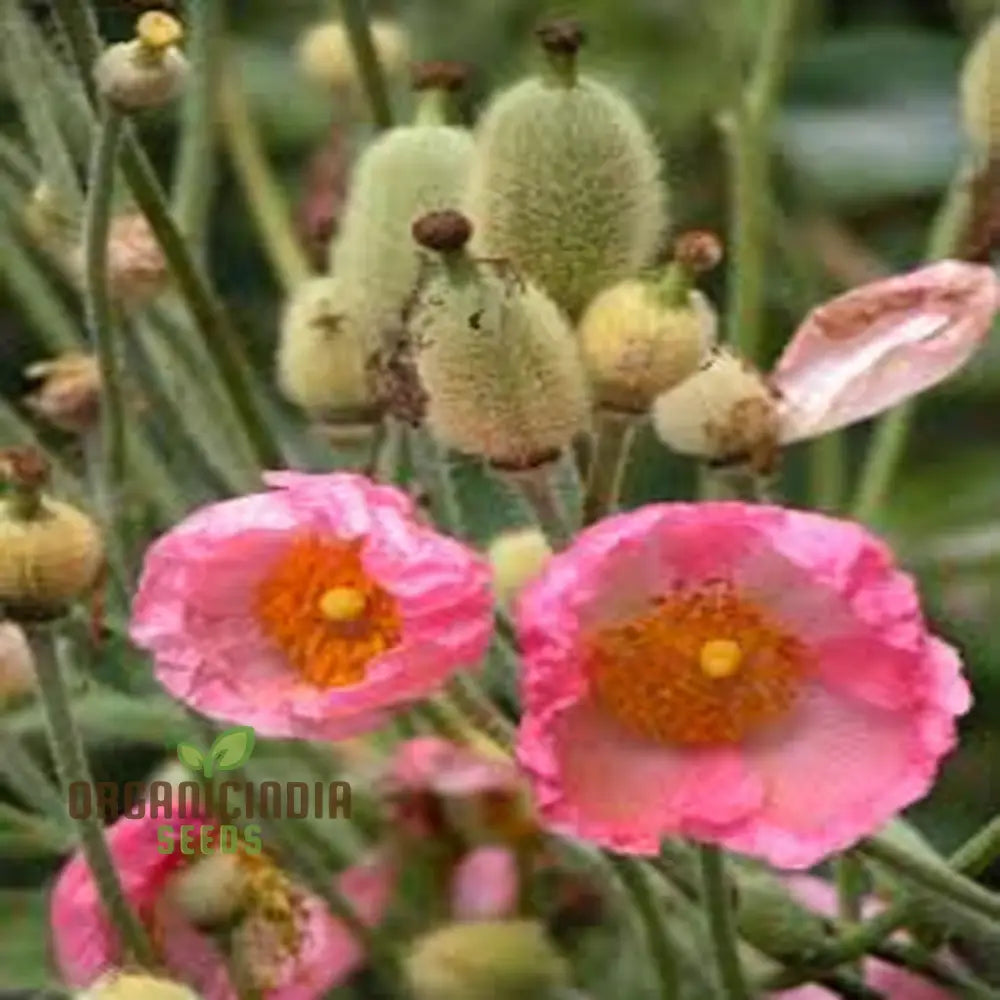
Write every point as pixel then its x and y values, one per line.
pixel 484 885
pixel 194 607
pixel 895 983
pixel 868 350
pixel 876 713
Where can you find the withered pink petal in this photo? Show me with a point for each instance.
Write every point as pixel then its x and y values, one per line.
pixel 871 348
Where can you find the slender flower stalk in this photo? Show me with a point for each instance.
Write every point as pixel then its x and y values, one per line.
pixel 538 489
pixel 885 453
pixel 195 171
pixel 850 875
pixel 718 904
pixel 71 767
pixel 262 194
pixel 359 33
pixel 638 881
pixel 101 322
pixel 748 133
pixel 827 471
pixel 616 435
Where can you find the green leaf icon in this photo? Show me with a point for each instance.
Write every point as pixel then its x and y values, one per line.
pixel 190 756
pixel 230 750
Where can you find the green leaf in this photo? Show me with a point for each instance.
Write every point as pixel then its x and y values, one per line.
pixel 232 748
pixel 190 756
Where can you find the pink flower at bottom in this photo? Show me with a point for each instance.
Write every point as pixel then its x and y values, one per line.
pixel 311 610
pixel 750 676
pixel 297 960
pixel 894 982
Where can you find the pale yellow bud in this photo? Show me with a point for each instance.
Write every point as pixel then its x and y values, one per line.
pixel 129 986
pixel 486 960
pixel 325 54
pixel 516 558
pixel 17 665
pixel 980 90
pixel 636 347
pixel 725 412
pixel 147 71
pixel 322 355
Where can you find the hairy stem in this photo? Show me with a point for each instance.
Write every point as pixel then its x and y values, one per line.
pixel 71 766
pixel 615 437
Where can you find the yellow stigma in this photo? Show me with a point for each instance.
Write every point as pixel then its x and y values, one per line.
pixel 157 30
pixel 343 604
pixel 720 658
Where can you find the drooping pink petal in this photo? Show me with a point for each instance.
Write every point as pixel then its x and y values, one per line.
pixel 868 350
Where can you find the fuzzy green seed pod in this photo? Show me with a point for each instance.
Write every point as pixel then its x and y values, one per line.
pixel 132 986
pixel 566 181
pixel 408 171
pixel 640 338
pixel 322 356
pixel 725 413
pixel 496 357
pixel 487 960
pixel 980 90
pixel 147 71
pixel 772 920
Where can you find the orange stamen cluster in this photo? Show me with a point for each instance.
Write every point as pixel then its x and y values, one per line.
pixel 701 666
pixel 323 611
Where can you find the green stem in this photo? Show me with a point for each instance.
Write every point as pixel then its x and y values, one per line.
pixel 637 880
pixel 195 170
pixel 71 766
pixel 479 709
pixel 615 437
pixel 979 851
pixel 261 192
pixel 827 471
pixel 908 956
pixel 359 34
pixel 101 323
pixel 539 491
pixel 949 884
pixel 850 876
pixel 221 339
pixel 748 133
pixel 716 897
pixel 885 452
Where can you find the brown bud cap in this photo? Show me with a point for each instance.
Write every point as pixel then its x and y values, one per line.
pixel 440 74
pixel 698 250
pixel 443 232
pixel 563 36
pixel 24 468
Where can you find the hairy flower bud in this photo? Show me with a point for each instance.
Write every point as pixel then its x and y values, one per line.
pixel 407 172
pixel 69 391
pixel 486 960
pixel 135 986
pixel 17 665
pixel 210 891
pixel 322 355
pixel 50 552
pixel 770 918
pixel 147 71
pixel 566 180
pixel 980 90
pixel 725 412
pixel 516 558
pixel 325 54
pixel 496 358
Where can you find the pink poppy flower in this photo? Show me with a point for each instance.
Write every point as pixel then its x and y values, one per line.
pixel 895 983
pixel 284 939
pixel 750 676
pixel 868 350
pixel 310 610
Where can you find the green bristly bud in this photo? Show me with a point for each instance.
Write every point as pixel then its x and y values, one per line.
pixel 980 91
pixel 566 180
